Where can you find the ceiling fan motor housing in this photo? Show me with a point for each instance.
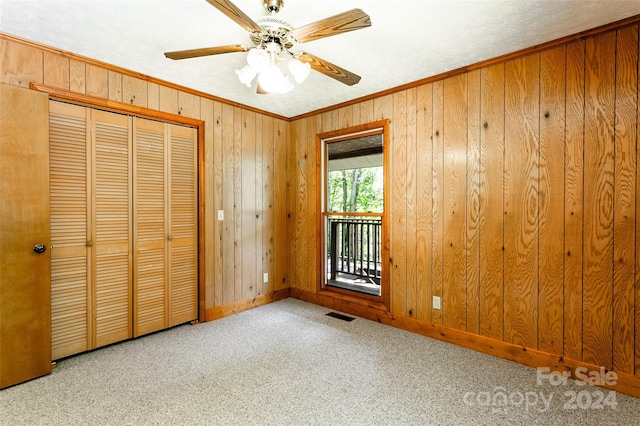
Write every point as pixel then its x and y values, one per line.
pixel 273 30
pixel 273 6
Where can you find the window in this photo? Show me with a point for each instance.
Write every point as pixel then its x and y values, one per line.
pixel 354 181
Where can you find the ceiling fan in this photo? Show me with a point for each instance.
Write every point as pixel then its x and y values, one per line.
pixel 272 39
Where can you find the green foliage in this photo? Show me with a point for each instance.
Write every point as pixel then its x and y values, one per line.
pixel 356 190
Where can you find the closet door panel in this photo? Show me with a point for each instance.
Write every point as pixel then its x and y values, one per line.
pixel 70 280
pixel 150 200
pixel 111 239
pixel 183 254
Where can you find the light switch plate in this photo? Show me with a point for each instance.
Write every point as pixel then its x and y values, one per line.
pixel 220 214
pixel 265 277
pixel 436 302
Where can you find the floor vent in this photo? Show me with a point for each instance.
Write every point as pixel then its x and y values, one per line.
pixel 340 316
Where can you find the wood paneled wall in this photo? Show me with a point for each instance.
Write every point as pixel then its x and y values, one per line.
pixel 515 196
pixel 244 157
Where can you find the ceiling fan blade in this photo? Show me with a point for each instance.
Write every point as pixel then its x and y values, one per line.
pixel 206 51
pixel 329 69
pixel 238 16
pixel 344 22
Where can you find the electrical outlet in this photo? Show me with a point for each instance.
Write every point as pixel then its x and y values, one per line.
pixel 436 302
pixel 265 277
pixel 220 214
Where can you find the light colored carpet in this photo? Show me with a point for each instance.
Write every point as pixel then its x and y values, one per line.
pixel 288 363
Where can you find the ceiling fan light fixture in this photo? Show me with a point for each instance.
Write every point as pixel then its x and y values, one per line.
pixel 273 80
pixel 300 70
pixel 258 59
pixel 246 75
pixel 273 37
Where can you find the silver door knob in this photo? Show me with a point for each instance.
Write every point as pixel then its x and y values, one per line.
pixel 39 248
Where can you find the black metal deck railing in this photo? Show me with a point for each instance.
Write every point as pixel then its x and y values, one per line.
pixel 355 248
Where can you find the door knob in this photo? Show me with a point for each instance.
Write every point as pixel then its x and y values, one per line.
pixel 39 248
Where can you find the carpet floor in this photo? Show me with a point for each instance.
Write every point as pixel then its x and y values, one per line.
pixel 288 363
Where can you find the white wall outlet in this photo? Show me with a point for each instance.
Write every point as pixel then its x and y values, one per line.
pixel 265 277
pixel 220 214
pixel 436 302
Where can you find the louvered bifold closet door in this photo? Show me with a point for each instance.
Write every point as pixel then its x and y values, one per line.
pixel 150 228
pixel 183 219
pixel 70 277
pixel 112 230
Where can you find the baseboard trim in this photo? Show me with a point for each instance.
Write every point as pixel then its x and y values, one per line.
pixel 227 309
pixel 626 383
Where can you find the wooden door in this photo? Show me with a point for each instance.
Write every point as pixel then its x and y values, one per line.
pixel 25 292
pixel 71 282
pixel 183 220
pixel 150 227
pixel 165 229
pixel 90 160
pixel 111 233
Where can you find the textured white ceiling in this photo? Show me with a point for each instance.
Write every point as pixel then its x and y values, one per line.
pixel 408 40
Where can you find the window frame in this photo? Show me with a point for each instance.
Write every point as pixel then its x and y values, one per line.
pixel 381 302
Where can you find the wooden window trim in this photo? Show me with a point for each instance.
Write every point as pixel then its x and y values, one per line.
pixel 381 302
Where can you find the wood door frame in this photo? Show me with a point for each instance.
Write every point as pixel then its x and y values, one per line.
pixel 122 108
pixel 381 302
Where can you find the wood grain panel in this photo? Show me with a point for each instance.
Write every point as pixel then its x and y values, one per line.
pixel 188 105
pixel 454 286
pixel 259 220
pixel 153 96
pixel 77 76
pixel 326 122
pixel 21 64
pixel 398 213
pixel 383 107
pixel 424 189
pixel 437 197
pixel 56 70
pixel 411 204
pixel 97 81
pixel 366 112
pixel 210 231
pixel 280 244
pixel 268 202
pixel 355 114
pixel 473 201
pixel 134 91
pixel 169 100
pixel 70 278
pixel 248 206
pixel 299 206
pixel 218 199
pixel 183 236
pixel 521 201
pixel 150 199
pixel 228 235
pixel 111 233
pixel 491 213
pixel 624 243
pixel 637 323
pixel 115 86
pixel 237 204
pixel 551 200
pixel 574 208
pixel 345 117
pixel 598 199
pixel 313 265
